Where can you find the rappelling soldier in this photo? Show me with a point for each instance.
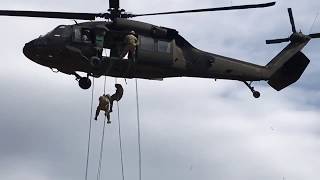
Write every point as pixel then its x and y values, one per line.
pixel 104 105
pixel 131 43
pixel 116 96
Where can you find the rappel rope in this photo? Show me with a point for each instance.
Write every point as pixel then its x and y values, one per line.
pixel 120 139
pixel 105 82
pixel 102 139
pixel 103 135
pixel 101 150
pixel 139 134
pixel 90 127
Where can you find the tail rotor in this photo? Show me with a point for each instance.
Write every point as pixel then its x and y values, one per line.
pixel 292 20
pixel 316 35
pixel 296 36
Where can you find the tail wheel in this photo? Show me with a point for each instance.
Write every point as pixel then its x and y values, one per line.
pixel 256 94
pixel 85 83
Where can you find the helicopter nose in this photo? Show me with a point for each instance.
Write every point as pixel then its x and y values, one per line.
pixel 32 48
pixel 28 50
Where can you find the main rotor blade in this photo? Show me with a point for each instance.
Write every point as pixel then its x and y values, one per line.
pixel 210 9
pixel 316 35
pixel 114 4
pixel 43 14
pixel 276 41
pixel 292 20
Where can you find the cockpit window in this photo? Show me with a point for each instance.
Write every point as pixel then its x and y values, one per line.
pixel 60 31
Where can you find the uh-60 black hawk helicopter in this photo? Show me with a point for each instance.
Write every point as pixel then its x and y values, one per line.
pixel 161 52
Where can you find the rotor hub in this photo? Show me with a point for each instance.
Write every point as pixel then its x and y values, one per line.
pixel 298 37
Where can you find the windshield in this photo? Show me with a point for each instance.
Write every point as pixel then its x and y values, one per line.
pixel 61 31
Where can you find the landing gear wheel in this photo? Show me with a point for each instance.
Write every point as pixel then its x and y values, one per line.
pixel 256 94
pixel 85 83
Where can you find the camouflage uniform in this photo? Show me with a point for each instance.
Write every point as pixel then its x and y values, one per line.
pixel 131 42
pixel 104 103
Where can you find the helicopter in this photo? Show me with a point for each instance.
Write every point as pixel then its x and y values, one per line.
pixel 161 51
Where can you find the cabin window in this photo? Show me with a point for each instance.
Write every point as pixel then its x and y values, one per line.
pixel 83 35
pixel 164 47
pixel 147 43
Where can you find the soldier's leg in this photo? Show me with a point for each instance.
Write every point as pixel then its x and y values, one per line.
pixel 97 113
pixel 111 105
pixel 131 61
pixel 133 54
pixel 108 117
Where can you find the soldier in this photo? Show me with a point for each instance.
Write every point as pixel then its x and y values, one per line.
pixel 104 104
pixel 131 42
pixel 86 36
pixel 116 96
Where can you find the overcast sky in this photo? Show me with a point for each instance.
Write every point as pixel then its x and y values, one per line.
pixel 191 128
